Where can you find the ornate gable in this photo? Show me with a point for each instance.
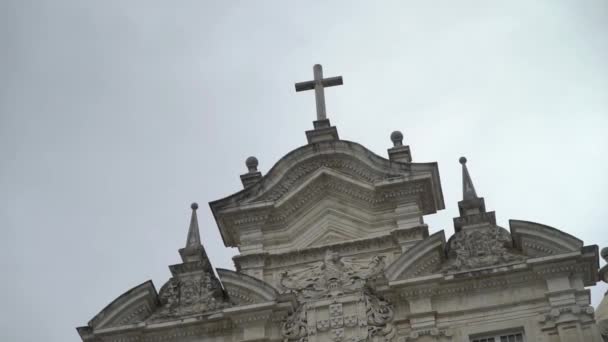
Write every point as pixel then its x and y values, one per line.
pixel 479 246
pixel 343 174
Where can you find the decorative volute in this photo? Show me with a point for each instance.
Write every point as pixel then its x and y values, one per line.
pixel 472 208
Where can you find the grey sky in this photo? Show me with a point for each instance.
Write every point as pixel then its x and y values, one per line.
pixel 115 115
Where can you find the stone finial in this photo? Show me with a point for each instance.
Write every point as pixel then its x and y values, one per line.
pixel 399 152
pixel 193 251
pixel 194 237
pixel 397 138
pixel 468 190
pixel 253 175
pixel 252 164
pixel 604 253
pixel 472 208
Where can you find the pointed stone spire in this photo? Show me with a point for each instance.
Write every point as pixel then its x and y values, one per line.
pixel 468 189
pixel 194 250
pixel 194 288
pixel 194 236
pixel 472 208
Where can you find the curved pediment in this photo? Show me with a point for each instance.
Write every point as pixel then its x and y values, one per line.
pixel 338 167
pixel 482 247
pixel 535 239
pixel 422 259
pixel 244 290
pixel 131 307
pixel 348 157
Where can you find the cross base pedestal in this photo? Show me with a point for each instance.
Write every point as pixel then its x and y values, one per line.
pixel 323 131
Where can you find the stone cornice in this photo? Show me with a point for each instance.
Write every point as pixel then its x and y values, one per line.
pixel 277 213
pixel 343 248
pixel 495 277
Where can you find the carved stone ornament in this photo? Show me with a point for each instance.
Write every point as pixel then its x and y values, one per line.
pixel 188 295
pixel 332 277
pixel 337 302
pixel 486 246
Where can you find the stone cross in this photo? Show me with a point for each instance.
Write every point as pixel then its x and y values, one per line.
pixel 319 84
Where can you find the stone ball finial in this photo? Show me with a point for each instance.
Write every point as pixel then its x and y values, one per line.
pixel 194 206
pixel 462 160
pixel 252 164
pixel 397 138
pixel 604 253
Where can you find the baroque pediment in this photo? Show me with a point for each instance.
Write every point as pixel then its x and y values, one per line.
pixel 482 247
pixel 466 250
pixel 340 169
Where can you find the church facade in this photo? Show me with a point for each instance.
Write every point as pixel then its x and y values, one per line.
pixel 333 247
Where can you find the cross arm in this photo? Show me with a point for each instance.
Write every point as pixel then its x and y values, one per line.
pixel 308 85
pixel 332 81
pixel 327 82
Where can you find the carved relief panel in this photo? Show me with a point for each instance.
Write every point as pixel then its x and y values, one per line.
pixel 338 302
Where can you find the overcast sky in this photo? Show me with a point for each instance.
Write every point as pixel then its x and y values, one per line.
pixel 115 115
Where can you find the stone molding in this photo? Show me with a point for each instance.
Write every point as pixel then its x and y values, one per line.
pixel 535 239
pixel 244 290
pixel 418 259
pixel 131 307
pixel 373 245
